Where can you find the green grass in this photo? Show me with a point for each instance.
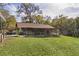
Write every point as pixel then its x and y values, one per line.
pixel 31 46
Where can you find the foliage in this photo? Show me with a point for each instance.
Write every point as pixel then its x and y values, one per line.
pixel 2 21
pixel 11 23
pixel 28 9
pixel 2 24
pixel 67 26
pixel 39 19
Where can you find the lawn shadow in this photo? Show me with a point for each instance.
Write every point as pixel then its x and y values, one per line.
pixel 55 36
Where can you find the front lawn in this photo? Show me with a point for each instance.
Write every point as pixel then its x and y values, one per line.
pixel 31 46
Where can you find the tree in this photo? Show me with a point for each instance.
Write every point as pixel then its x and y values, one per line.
pixel 2 22
pixel 76 26
pixel 67 26
pixel 38 19
pixel 29 10
pixel 11 23
pixel 3 16
pixel 64 25
pixel 10 20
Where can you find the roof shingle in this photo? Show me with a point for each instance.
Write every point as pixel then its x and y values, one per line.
pixel 32 25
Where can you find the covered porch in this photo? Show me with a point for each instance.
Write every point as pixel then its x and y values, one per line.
pixel 35 32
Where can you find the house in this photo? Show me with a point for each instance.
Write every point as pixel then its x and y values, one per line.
pixel 34 29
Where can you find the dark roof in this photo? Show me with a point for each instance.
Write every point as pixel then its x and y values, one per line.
pixel 32 25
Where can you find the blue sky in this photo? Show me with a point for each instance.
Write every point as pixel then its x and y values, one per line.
pixel 52 9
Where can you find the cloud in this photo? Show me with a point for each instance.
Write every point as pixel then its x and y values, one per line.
pixel 72 9
pixel 55 9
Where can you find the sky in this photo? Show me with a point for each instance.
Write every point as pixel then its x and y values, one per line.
pixel 56 9
pixel 52 9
